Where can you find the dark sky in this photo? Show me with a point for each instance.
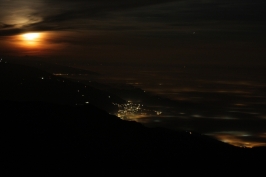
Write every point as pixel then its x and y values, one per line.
pixel 178 31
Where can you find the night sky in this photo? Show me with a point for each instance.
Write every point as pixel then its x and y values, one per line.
pixel 173 44
pixel 175 31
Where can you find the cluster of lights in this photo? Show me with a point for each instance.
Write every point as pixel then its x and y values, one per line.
pixel 130 110
pixel 127 110
pixel 158 112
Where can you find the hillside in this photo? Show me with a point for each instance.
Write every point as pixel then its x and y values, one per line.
pixel 23 83
pixel 48 128
pixel 57 138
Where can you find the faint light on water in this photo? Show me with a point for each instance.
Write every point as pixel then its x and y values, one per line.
pixel 237 138
pixel 262 117
pixel 253 113
pixel 196 116
pixel 157 120
pixel 240 104
pixel 225 118
pixel 262 135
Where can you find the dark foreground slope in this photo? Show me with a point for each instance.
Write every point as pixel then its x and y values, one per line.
pixel 59 140
pixel 23 83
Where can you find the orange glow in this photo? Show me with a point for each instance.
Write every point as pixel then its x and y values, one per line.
pixel 39 44
pixel 31 36
pixel 237 141
pixel 31 39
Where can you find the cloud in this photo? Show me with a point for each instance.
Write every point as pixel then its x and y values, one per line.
pixel 86 14
pixel 143 18
pixel 6 26
pixel 49 15
pixel 10 32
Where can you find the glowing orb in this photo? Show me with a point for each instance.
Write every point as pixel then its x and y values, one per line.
pixel 31 36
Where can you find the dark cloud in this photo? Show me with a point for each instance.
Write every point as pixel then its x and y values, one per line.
pixel 181 26
pixel 11 32
pixel 84 14
pixel 5 26
pixel 53 14
pixel 230 10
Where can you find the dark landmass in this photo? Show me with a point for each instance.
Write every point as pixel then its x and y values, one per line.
pixel 24 83
pixel 138 95
pixel 210 116
pixel 48 138
pixel 51 67
pixel 47 128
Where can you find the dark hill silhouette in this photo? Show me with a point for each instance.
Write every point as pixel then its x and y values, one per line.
pixel 47 128
pixel 52 139
pixel 23 83
pixel 50 67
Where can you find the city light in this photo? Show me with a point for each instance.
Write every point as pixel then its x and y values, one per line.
pixel 130 111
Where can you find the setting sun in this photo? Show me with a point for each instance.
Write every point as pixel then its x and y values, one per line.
pixel 31 36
